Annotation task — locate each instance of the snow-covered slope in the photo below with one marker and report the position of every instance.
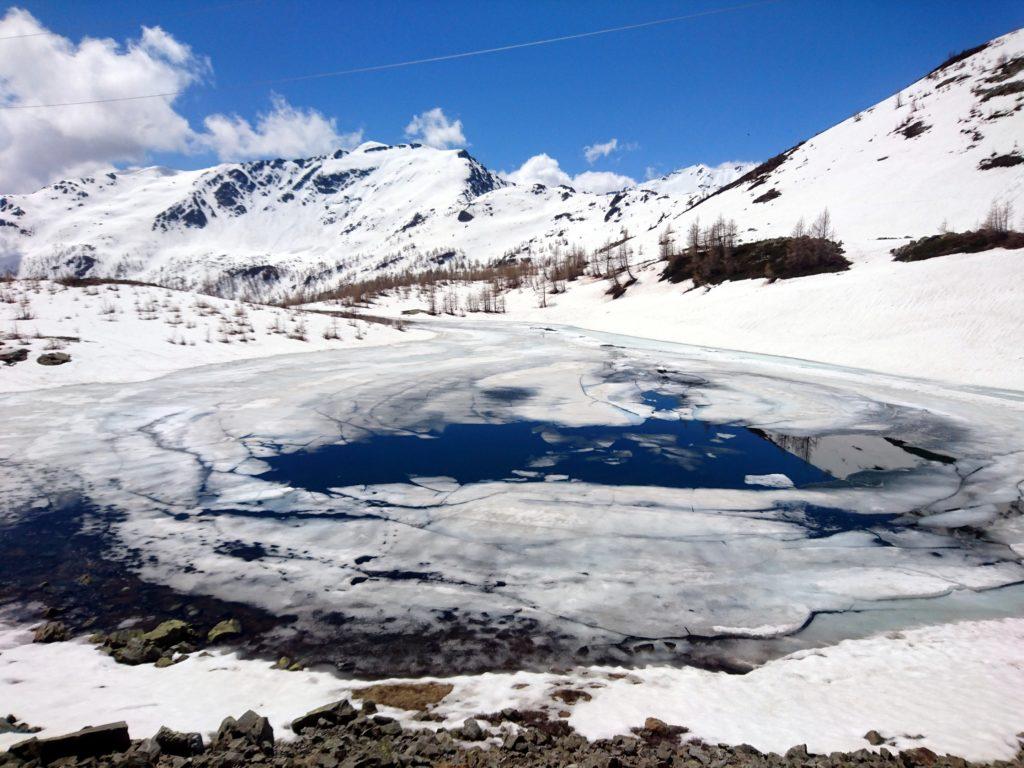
(122, 333)
(940, 151)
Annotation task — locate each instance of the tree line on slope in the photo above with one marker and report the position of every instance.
(996, 231)
(713, 255)
(710, 256)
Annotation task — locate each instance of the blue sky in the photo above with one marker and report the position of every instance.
(739, 85)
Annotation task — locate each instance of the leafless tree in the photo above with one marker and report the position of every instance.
(822, 227)
(666, 244)
(999, 217)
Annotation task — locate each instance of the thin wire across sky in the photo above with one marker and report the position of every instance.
(411, 62)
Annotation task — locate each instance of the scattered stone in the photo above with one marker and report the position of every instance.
(169, 633)
(53, 358)
(874, 738)
(411, 696)
(11, 724)
(471, 731)
(570, 695)
(136, 651)
(337, 736)
(224, 630)
(919, 756)
(797, 753)
(163, 661)
(338, 713)
(88, 742)
(656, 730)
(50, 632)
(178, 743)
(12, 356)
(147, 750)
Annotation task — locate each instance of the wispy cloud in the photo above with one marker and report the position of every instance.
(595, 152)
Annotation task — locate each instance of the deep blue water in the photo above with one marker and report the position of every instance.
(658, 452)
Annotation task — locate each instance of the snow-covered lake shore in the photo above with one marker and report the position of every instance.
(912, 586)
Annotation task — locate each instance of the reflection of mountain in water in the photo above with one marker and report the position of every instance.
(845, 455)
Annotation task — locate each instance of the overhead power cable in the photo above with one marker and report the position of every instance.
(412, 62)
(177, 14)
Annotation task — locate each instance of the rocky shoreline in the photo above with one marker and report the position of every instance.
(341, 736)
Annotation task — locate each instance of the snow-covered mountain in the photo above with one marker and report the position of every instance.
(695, 182)
(938, 152)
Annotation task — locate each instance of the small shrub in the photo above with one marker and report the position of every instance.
(956, 58)
(1000, 161)
(911, 128)
(957, 242)
(1006, 89)
(771, 194)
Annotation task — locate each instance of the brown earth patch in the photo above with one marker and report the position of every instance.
(411, 696)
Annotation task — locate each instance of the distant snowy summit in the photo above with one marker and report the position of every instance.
(696, 182)
(936, 154)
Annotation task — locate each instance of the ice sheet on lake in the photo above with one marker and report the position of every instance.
(179, 459)
(774, 480)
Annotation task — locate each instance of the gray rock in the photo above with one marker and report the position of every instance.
(338, 713)
(393, 728)
(471, 731)
(148, 749)
(799, 752)
(53, 358)
(169, 633)
(137, 651)
(12, 356)
(698, 754)
(88, 742)
(224, 630)
(178, 743)
(250, 728)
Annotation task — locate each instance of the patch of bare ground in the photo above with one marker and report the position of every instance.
(412, 696)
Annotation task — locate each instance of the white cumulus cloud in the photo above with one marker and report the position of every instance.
(602, 181)
(434, 129)
(284, 131)
(544, 169)
(38, 146)
(595, 152)
(540, 169)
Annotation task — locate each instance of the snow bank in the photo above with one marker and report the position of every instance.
(955, 318)
(956, 688)
(122, 333)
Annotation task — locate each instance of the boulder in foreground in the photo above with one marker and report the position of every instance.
(88, 742)
(338, 713)
(53, 358)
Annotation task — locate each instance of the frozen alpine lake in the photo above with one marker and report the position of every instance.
(507, 497)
